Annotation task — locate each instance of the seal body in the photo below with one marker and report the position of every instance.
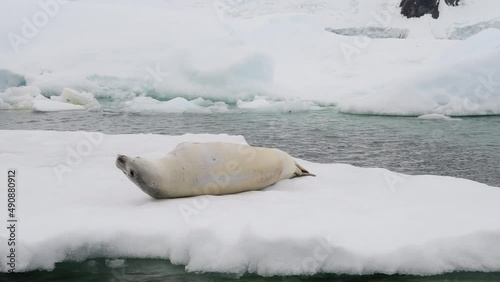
(215, 168)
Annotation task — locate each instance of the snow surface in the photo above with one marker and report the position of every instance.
(226, 51)
(75, 204)
(466, 83)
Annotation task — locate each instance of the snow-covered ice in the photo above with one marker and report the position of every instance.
(466, 82)
(20, 98)
(75, 204)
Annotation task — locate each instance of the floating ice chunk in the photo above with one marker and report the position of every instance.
(263, 104)
(257, 103)
(13, 92)
(115, 263)
(54, 106)
(176, 105)
(202, 102)
(437, 116)
(71, 96)
(30, 97)
(219, 107)
(19, 98)
(4, 106)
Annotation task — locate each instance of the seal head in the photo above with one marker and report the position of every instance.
(142, 173)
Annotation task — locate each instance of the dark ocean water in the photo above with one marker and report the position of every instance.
(134, 270)
(467, 148)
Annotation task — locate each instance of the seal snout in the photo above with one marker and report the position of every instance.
(120, 162)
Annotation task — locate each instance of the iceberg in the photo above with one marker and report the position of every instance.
(30, 98)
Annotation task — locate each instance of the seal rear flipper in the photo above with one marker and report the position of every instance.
(300, 171)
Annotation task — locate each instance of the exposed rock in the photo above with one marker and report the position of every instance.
(418, 8)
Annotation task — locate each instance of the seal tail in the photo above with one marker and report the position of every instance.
(301, 171)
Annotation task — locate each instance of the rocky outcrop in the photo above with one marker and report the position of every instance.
(418, 8)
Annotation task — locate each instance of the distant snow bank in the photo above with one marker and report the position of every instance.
(227, 51)
(466, 81)
(75, 204)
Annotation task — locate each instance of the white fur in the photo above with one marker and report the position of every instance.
(193, 169)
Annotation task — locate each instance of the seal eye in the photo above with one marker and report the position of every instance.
(132, 173)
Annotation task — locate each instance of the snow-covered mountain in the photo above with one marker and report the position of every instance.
(362, 56)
